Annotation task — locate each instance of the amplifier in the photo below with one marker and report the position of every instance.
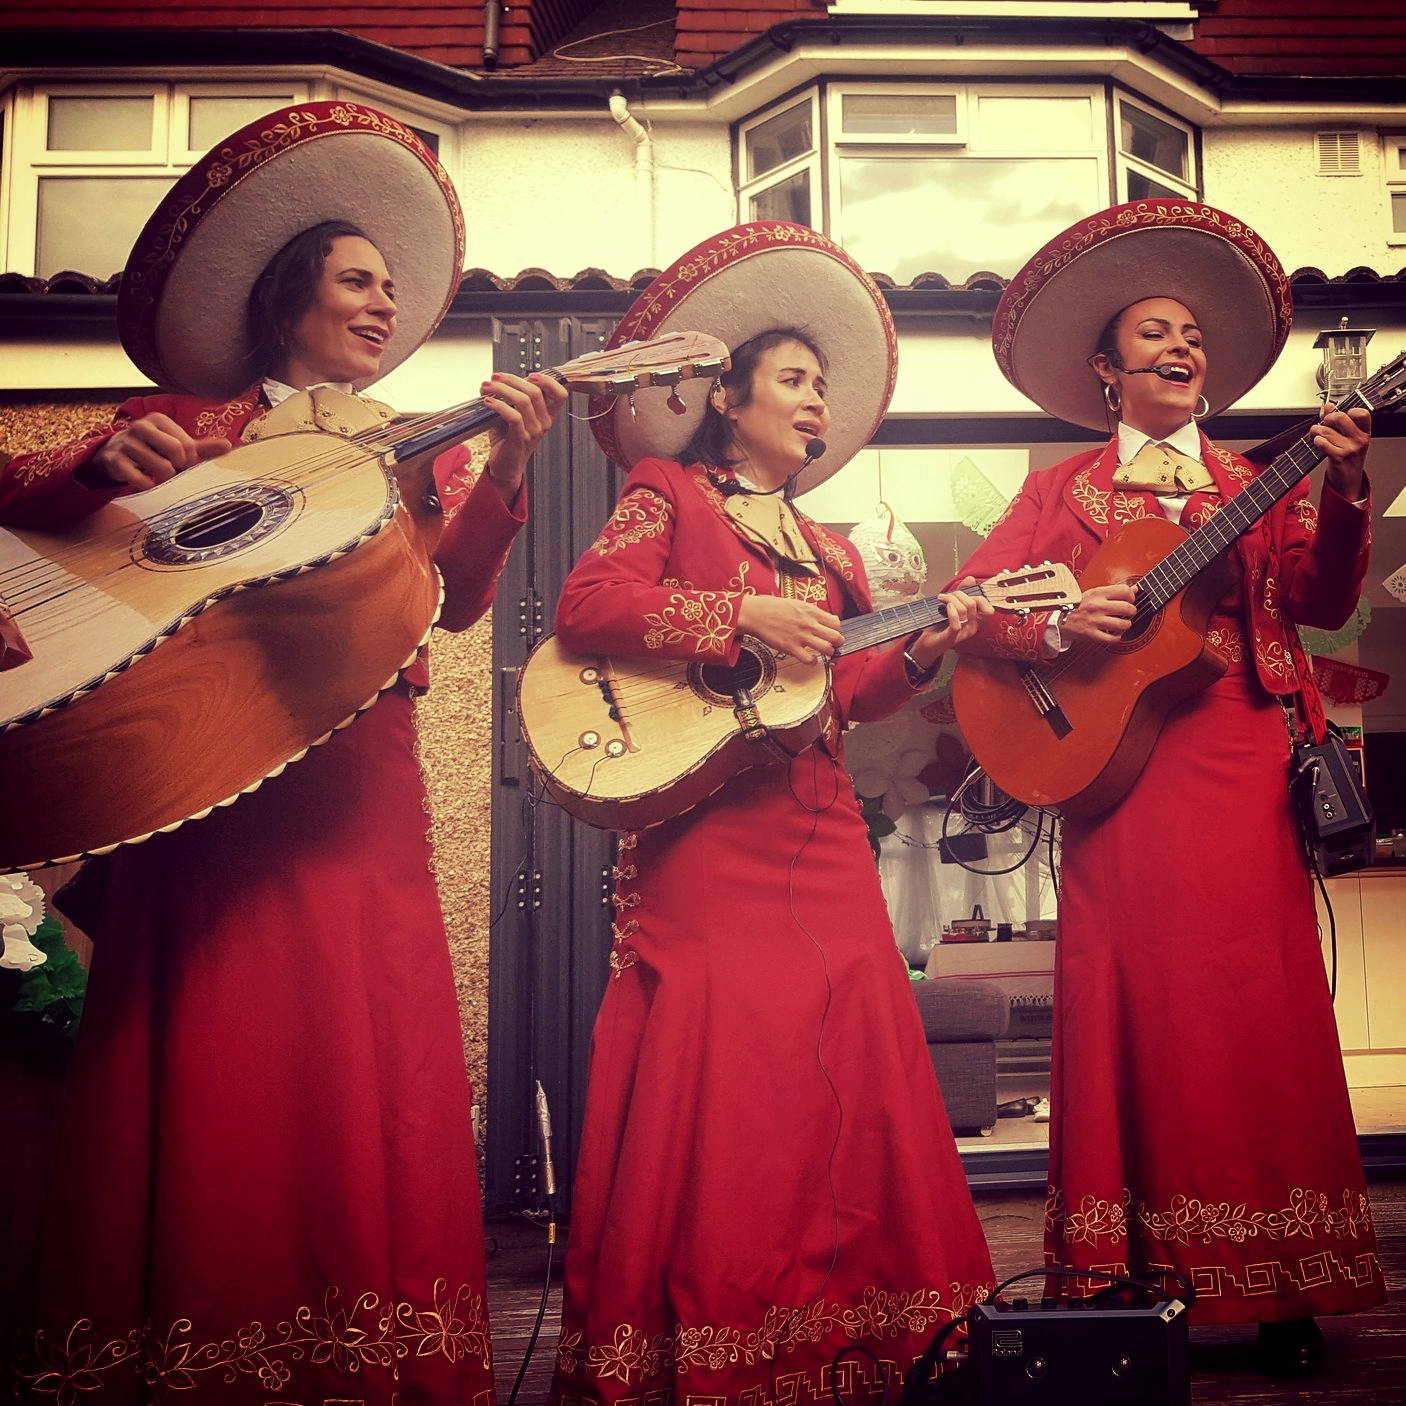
(1057, 1355)
(1336, 819)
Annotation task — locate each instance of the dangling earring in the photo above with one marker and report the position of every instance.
(1204, 411)
(1112, 397)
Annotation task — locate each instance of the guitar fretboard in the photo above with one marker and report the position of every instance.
(865, 631)
(1238, 514)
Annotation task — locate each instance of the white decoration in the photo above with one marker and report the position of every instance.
(1396, 584)
(21, 912)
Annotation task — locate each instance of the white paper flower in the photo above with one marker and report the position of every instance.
(21, 912)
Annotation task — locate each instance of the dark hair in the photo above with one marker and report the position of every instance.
(1107, 344)
(712, 440)
(284, 291)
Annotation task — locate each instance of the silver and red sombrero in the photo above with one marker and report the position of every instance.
(181, 308)
(745, 281)
(1050, 316)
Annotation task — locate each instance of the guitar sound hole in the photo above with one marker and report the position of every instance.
(215, 526)
(747, 673)
(718, 683)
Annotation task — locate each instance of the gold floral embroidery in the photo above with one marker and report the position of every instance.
(28, 468)
(739, 581)
(1230, 467)
(570, 1356)
(1102, 507)
(1309, 1214)
(1203, 512)
(833, 549)
(217, 421)
(706, 617)
(1230, 642)
(1274, 661)
(369, 1334)
(632, 1356)
(1270, 599)
(1307, 514)
(637, 517)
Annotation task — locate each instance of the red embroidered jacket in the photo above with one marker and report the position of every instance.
(1066, 512)
(668, 571)
(41, 490)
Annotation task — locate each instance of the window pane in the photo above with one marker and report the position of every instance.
(1401, 158)
(71, 234)
(214, 119)
(1151, 140)
(774, 142)
(899, 114)
(786, 200)
(959, 215)
(1142, 187)
(100, 124)
(1044, 124)
(1398, 212)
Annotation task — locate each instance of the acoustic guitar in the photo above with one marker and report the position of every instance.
(627, 743)
(1072, 734)
(183, 644)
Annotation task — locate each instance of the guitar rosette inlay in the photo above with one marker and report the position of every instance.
(214, 525)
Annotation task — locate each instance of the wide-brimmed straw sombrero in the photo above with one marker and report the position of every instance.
(1050, 316)
(184, 292)
(745, 281)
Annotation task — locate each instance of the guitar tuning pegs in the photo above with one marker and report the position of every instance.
(631, 403)
(675, 403)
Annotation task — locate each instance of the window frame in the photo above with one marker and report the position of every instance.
(1394, 178)
(811, 162)
(1124, 162)
(27, 159)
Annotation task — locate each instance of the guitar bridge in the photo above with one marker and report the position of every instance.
(1046, 704)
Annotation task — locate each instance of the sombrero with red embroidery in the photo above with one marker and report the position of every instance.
(1050, 317)
(742, 282)
(184, 293)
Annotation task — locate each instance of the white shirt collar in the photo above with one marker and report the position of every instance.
(1186, 440)
(276, 392)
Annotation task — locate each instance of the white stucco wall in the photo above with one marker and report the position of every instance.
(564, 194)
(1268, 177)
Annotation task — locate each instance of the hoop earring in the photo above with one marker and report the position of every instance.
(1204, 411)
(1112, 397)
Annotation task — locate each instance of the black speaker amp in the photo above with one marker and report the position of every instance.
(1335, 817)
(1057, 1355)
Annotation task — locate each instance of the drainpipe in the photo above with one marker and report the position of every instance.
(644, 165)
(492, 11)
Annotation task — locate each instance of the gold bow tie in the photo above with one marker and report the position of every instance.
(1160, 469)
(767, 519)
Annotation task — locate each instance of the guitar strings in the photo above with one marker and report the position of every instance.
(317, 469)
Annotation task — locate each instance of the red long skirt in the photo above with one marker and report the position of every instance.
(265, 1189)
(767, 1175)
(1200, 1113)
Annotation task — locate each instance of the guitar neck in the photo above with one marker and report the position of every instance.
(1237, 515)
(430, 433)
(866, 631)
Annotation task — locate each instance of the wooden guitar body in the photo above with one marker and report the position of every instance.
(673, 738)
(162, 689)
(1112, 699)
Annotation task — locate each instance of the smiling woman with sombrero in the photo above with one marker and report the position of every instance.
(1200, 1116)
(266, 1186)
(767, 1175)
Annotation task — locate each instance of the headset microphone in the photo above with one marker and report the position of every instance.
(814, 449)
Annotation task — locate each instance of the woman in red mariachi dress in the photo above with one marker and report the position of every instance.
(266, 1186)
(1200, 1118)
(766, 1174)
